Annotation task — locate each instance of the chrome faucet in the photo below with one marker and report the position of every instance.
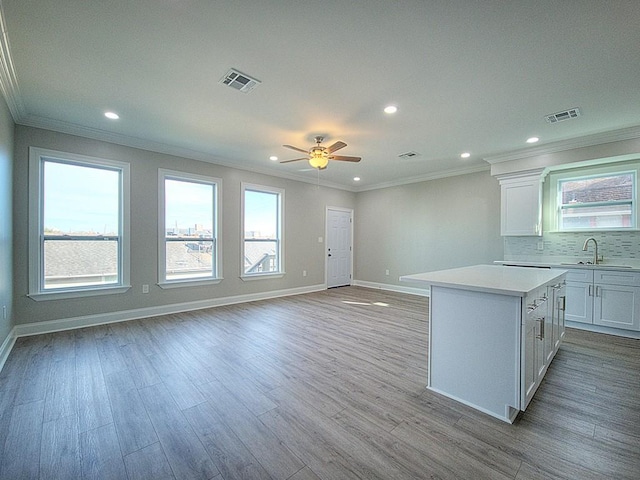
(595, 255)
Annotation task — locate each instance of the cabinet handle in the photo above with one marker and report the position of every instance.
(540, 336)
(562, 303)
(598, 291)
(591, 290)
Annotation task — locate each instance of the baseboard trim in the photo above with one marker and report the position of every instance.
(51, 326)
(423, 292)
(619, 332)
(6, 347)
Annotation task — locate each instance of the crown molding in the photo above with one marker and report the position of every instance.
(628, 133)
(163, 148)
(8, 79)
(425, 178)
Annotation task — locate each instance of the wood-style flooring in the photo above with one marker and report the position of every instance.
(329, 385)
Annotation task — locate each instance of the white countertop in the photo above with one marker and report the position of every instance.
(572, 262)
(517, 281)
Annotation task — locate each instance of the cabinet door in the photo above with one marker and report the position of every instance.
(549, 332)
(529, 363)
(561, 303)
(617, 306)
(579, 302)
(541, 356)
(521, 208)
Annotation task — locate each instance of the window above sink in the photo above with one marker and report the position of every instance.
(599, 202)
(594, 199)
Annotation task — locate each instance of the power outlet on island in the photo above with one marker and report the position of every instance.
(304, 273)
(386, 272)
(145, 288)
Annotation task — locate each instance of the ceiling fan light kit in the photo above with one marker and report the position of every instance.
(318, 156)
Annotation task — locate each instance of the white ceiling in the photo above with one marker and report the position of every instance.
(475, 76)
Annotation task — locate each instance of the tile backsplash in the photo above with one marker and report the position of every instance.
(610, 245)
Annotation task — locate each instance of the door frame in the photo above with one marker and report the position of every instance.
(350, 211)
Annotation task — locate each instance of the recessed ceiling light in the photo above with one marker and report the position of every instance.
(273, 158)
(532, 140)
(356, 179)
(465, 155)
(390, 109)
(111, 115)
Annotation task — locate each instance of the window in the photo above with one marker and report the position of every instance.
(78, 224)
(188, 229)
(262, 210)
(597, 202)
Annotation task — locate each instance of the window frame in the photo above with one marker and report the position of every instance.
(279, 231)
(558, 177)
(37, 158)
(216, 276)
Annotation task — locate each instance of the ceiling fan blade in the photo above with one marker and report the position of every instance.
(296, 148)
(344, 158)
(336, 146)
(294, 160)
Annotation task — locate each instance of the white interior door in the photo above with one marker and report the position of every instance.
(339, 233)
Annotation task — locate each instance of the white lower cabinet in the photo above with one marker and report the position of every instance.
(531, 360)
(543, 332)
(579, 296)
(617, 306)
(608, 298)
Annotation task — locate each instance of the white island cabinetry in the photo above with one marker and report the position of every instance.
(492, 332)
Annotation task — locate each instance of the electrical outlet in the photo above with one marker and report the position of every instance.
(304, 273)
(320, 239)
(386, 272)
(145, 288)
(540, 245)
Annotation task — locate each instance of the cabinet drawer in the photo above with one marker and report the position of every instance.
(580, 275)
(615, 277)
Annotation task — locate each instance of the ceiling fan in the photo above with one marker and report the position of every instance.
(319, 157)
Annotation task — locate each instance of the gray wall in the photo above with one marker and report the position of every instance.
(6, 216)
(407, 229)
(304, 222)
(427, 226)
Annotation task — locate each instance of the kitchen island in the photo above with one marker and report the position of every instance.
(493, 330)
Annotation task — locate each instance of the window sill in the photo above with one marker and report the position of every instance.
(261, 276)
(64, 294)
(189, 283)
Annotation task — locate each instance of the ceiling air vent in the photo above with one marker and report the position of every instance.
(564, 115)
(409, 155)
(239, 81)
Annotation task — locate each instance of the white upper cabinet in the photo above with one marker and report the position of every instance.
(521, 204)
